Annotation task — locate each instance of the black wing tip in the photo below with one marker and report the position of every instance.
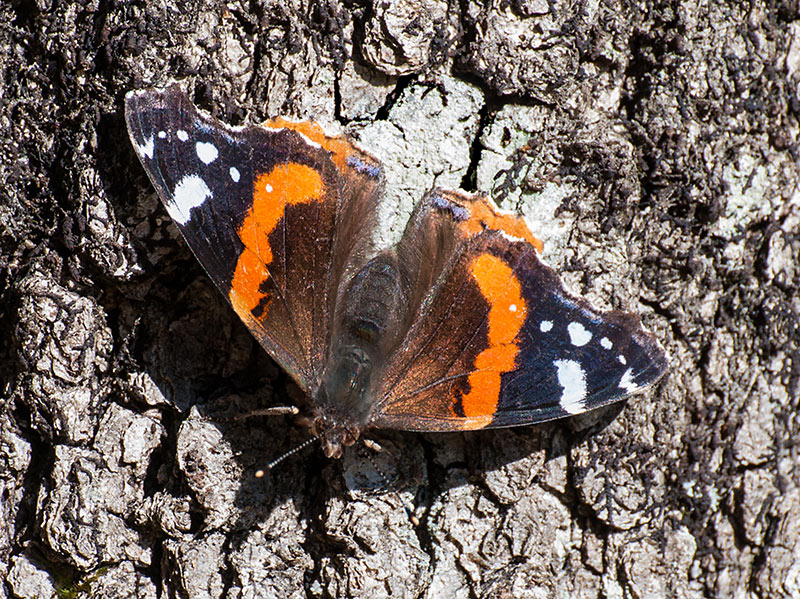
(654, 362)
(652, 348)
(153, 99)
(148, 94)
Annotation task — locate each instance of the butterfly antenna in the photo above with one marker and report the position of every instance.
(291, 452)
(406, 506)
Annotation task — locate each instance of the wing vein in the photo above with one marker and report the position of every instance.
(464, 347)
(281, 295)
(410, 362)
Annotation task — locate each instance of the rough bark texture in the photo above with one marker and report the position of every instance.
(653, 146)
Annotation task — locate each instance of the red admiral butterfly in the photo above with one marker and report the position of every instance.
(459, 326)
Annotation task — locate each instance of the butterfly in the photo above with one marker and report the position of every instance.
(458, 326)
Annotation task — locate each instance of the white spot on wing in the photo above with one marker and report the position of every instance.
(626, 382)
(511, 237)
(182, 135)
(268, 188)
(578, 334)
(622, 359)
(309, 141)
(206, 152)
(606, 342)
(512, 308)
(235, 175)
(305, 137)
(572, 379)
(189, 193)
(545, 326)
(162, 134)
(146, 149)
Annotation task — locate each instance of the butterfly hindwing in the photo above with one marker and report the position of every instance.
(498, 341)
(275, 214)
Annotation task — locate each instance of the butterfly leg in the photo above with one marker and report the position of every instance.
(369, 443)
(272, 411)
(373, 445)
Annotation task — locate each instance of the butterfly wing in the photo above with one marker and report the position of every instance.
(275, 214)
(498, 341)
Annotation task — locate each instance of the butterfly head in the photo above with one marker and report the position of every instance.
(334, 435)
(341, 405)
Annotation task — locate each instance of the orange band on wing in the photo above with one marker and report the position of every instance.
(272, 192)
(482, 217)
(338, 146)
(507, 312)
(249, 274)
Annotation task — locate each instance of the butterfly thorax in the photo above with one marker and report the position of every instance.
(369, 308)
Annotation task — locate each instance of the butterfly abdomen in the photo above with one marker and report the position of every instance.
(372, 305)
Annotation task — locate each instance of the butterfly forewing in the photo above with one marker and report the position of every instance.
(274, 214)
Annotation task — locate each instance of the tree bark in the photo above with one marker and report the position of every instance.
(653, 147)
